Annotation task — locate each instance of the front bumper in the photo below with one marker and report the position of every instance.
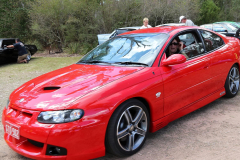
(36, 139)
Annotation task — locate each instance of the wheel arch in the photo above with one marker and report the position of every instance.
(140, 99)
(144, 101)
(237, 65)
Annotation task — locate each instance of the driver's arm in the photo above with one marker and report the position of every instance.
(180, 46)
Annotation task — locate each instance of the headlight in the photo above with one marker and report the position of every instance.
(60, 116)
(8, 101)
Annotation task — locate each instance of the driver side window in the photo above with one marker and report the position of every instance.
(192, 45)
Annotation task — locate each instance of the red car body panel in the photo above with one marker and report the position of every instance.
(99, 90)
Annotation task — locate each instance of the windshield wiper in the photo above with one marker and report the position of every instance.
(131, 63)
(94, 61)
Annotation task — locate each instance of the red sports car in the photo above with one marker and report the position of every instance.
(120, 91)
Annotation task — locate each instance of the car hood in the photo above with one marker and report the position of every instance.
(56, 90)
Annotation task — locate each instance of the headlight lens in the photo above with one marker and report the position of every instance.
(60, 116)
(8, 101)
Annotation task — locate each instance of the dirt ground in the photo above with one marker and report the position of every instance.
(210, 133)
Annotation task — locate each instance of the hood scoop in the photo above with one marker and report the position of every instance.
(50, 88)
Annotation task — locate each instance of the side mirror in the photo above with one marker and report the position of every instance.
(174, 59)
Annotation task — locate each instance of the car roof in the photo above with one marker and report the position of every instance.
(162, 29)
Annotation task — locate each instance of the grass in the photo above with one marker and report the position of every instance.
(14, 75)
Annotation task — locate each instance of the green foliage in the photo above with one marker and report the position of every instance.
(209, 12)
(14, 19)
(74, 48)
(74, 24)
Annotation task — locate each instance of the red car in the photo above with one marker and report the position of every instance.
(120, 91)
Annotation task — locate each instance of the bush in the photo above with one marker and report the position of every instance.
(74, 48)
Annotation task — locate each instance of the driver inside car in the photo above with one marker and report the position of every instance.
(175, 47)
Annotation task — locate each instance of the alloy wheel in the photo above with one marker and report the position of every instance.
(132, 128)
(234, 80)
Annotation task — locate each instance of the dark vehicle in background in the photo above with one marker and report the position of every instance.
(223, 28)
(104, 37)
(11, 54)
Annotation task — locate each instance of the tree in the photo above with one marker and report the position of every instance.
(209, 12)
(14, 19)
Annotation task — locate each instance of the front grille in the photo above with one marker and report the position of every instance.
(14, 112)
(35, 143)
(25, 114)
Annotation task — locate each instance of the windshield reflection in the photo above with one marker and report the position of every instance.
(137, 48)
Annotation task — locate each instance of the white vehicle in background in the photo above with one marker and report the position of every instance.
(104, 37)
(171, 24)
(225, 29)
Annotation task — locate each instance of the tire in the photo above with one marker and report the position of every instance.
(232, 82)
(128, 128)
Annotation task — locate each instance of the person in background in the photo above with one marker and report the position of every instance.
(145, 24)
(188, 22)
(22, 52)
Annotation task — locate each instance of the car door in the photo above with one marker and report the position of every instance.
(186, 83)
(217, 50)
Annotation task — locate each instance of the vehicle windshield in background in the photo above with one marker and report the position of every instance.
(230, 27)
(120, 31)
(132, 49)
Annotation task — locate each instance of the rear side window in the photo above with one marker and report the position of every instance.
(211, 40)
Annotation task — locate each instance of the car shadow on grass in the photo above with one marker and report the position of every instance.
(5, 63)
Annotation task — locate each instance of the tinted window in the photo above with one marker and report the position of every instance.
(120, 31)
(8, 42)
(141, 48)
(211, 40)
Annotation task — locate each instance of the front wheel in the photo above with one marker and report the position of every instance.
(127, 128)
(232, 82)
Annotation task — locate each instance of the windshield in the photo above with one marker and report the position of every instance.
(234, 25)
(120, 31)
(139, 49)
(229, 27)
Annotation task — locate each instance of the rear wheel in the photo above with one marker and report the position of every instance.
(232, 82)
(127, 128)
